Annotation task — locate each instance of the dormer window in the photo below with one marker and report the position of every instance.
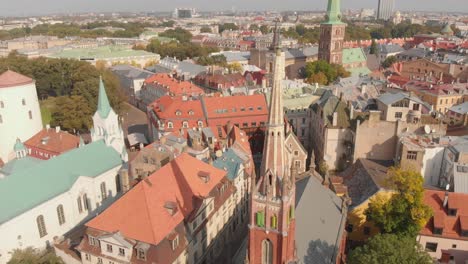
(171, 207)
(141, 254)
(170, 125)
(191, 112)
(178, 113)
(200, 123)
(93, 241)
(175, 243)
(452, 212)
(204, 176)
(185, 124)
(438, 231)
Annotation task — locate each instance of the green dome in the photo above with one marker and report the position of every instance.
(447, 30)
(19, 145)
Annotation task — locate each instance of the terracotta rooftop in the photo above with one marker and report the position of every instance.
(452, 225)
(12, 79)
(52, 141)
(141, 214)
(174, 87)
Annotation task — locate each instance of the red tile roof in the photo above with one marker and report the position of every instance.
(12, 79)
(235, 106)
(174, 87)
(141, 213)
(52, 141)
(441, 219)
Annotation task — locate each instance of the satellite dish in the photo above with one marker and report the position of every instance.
(427, 129)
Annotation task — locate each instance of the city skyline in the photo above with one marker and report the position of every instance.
(67, 6)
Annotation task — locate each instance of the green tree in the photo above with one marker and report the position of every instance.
(389, 249)
(405, 212)
(254, 27)
(33, 256)
(389, 61)
(169, 23)
(264, 29)
(373, 47)
(227, 26)
(206, 29)
(235, 67)
(178, 49)
(323, 168)
(182, 35)
(331, 71)
(319, 78)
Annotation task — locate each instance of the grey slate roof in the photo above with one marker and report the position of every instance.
(364, 179)
(127, 74)
(301, 53)
(319, 222)
(331, 104)
(461, 108)
(386, 49)
(415, 52)
(390, 98)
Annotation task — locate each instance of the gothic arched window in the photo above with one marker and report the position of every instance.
(41, 226)
(267, 252)
(60, 215)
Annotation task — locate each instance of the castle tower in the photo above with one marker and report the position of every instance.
(106, 122)
(20, 114)
(332, 33)
(272, 224)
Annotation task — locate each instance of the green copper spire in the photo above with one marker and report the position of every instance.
(103, 107)
(333, 12)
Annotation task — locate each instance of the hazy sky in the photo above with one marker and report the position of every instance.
(26, 7)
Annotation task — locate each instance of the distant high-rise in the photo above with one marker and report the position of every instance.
(184, 13)
(385, 9)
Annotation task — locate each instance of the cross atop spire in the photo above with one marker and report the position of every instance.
(276, 36)
(333, 12)
(103, 107)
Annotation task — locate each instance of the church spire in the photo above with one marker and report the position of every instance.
(333, 12)
(103, 107)
(273, 153)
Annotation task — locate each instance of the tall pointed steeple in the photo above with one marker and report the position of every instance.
(274, 153)
(333, 12)
(103, 107)
(272, 223)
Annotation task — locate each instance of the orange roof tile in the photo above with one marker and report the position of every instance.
(141, 214)
(174, 87)
(232, 106)
(441, 219)
(12, 79)
(52, 141)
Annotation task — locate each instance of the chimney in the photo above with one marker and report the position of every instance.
(335, 119)
(125, 180)
(57, 129)
(47, 127)
(351, 111)
(446, 199)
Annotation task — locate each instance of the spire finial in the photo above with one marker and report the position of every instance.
(103, 107)
(276, 35)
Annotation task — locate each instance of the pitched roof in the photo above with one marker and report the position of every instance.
(230, 163)
(18, 165)
(53, 177)
(461, 108)
(452, 225)
(174, 87)
(141, 213)
(353, 55)
(319, 222)
(12, 79)
(330, 104)
(230, 106)
(103, 107)
(51, 140)
(364, 179)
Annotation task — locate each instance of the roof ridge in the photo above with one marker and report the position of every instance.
(147, 211)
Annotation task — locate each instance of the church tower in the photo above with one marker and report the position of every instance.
(332, 33)
(106, 123)
(272, 223)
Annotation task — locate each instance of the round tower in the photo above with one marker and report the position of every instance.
(20, 114)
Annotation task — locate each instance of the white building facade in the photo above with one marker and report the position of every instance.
(20, 115)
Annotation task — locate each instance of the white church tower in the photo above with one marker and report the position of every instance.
(106, 124)
(20, 114)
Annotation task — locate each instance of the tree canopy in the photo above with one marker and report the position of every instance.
(74, 83)
(205, 29)
(219, 60)
(227, 26)
(180, 50)
(182, 35)
(389, 61)
(389, 249)
(405, 212)
(33, 256)
(322, 72)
